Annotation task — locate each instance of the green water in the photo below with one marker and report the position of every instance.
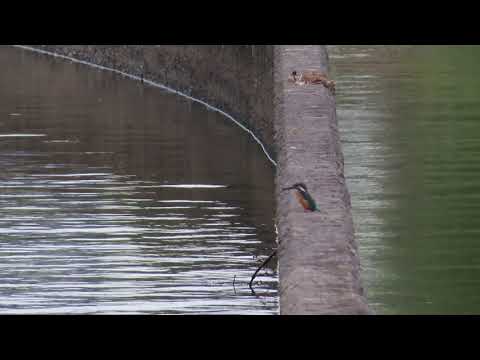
(410, 124)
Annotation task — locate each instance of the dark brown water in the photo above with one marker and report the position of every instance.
(410, 124)
(120, 198)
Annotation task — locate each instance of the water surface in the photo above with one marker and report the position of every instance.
(409, 120)
(117, 197)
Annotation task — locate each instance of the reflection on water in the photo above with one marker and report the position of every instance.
(120, 198)
(408, 117)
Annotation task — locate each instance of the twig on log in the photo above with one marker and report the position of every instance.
(261, 266)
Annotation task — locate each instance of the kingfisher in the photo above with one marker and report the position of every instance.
(303, 197)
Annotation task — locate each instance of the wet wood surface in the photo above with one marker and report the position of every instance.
(319, 267)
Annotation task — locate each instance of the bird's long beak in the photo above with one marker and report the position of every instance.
(288, 188)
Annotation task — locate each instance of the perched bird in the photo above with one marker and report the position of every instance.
(294, 77)
(316, 77)
(303, 197)
(312, 77)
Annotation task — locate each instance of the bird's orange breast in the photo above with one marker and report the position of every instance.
(302, 200)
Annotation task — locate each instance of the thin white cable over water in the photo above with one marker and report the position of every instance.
(153, 83)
